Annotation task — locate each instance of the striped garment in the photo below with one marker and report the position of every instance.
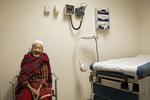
(41, 76)
(30, 66)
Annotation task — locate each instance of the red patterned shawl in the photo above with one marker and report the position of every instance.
(29, 66)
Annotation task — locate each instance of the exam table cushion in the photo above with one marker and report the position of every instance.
(137, 66)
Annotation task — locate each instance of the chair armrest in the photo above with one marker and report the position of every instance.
(13, 85)
(56, 78)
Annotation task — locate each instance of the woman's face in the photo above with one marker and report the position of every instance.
(37, 49)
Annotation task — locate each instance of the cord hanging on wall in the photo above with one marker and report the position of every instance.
(83, 67)
(102, 18)
(73, 25)
(69, 10)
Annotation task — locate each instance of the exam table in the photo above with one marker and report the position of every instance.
(121, 79)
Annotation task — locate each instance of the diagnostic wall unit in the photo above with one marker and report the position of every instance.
(102, 18)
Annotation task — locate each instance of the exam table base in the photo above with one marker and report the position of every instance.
(112, 88)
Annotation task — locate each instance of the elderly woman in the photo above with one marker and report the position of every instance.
(35, 80)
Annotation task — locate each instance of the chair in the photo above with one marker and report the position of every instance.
(13, 85)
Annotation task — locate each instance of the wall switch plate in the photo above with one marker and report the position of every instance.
(57, 8)
(47, 9)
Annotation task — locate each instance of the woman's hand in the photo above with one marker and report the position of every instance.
(38, 90)
(34, 93)
(32, 90)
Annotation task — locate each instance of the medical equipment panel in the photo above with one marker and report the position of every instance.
(80, 12)
(102, 18)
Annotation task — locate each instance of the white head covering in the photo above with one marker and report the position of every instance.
(36, 41)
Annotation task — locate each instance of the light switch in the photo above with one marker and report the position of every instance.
(47, 9)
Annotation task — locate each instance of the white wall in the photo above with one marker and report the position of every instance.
(144, 18)
(22, 21)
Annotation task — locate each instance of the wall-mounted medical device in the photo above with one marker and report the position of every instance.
(70, 9)
(83, 67)
(79, 11)
(47, 9)
(102, 18)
